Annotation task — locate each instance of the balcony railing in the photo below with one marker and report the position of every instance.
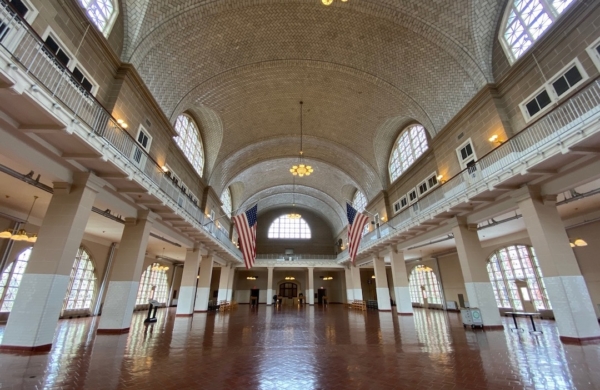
(27, 50)
(552, 129)
(284, 257)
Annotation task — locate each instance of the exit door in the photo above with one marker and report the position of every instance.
(322, 292)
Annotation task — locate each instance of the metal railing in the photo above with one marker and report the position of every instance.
(553, 128)
(29, 52)
(284, 257)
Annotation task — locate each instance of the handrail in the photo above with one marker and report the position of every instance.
(282, 256)
(553, 127)
(27, 50)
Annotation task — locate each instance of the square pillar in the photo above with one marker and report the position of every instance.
(400, 281)
(356, 283)
(125, 276)
(381, 285)
(189, 280)
(269, 286)
(311, 286)
(223, 283)
(230, 283)
(349, 289)
(34, 316)
(566, 288)
(204, 279)
(474, 269)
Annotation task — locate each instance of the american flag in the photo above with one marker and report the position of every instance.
(356, 224)
(245, 224)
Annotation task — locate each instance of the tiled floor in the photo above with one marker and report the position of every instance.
(309, 348)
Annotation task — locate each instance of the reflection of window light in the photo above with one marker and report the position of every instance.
(525, 294)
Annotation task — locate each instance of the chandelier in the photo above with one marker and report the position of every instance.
(301, 169)
(22, 234)
(159, 268)
(294, 215)
(422, 268)
(329, 2)
(290, 278)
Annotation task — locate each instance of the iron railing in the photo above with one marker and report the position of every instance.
(29, 52)
(284, 257)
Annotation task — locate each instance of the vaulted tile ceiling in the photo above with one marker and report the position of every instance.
(364, 69)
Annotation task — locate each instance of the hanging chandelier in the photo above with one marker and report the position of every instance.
(301, 169)
(159, 268)
(294, 215)
(22, 234)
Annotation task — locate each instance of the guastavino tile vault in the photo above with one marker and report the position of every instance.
(299, 194)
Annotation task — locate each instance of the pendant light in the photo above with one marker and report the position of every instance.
(22, 234)
(301, 169)
(294, 215)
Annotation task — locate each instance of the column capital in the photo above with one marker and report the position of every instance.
(270, 268)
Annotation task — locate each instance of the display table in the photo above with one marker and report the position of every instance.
(516, 314)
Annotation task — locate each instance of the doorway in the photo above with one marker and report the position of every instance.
(321, 295)
(254, 296)
(525, 294)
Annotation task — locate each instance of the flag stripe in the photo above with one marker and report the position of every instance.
(356, 223)
(245, 224)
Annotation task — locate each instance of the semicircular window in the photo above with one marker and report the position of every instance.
(290, 228)
(103, 13)
(410, 145)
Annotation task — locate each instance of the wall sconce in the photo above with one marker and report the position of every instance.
(494, 138)
(383, 219)
(290, 278)
(165, 169)
(327, 277)
(440, 178)
(122, 123)
(251, 277)
(372, 276)
(578, 242)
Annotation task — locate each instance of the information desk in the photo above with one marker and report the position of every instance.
(516, 314)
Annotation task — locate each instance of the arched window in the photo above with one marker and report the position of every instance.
(82, 284)
(153, 285)
(525, 21)
(11, 279)
(515, 274)
(359, 202)
(285, 227)
(422, 284)
(410, 145)
(103, 13)
(226, 200)
(189, 141)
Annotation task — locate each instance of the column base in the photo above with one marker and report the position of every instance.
(18, 348)
(112, 331)
(493, 327)
(580, 340)
(406, 314)
(184, 315)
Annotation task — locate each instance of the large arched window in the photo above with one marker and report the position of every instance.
(285, 227)
(82, 284)
(515, 274)
(423, 284)
(103, 13)
(410, 145)
(226, 201)
(359, 202)
(153, 285)
(525, 21)
(189, 141)
(11, 279)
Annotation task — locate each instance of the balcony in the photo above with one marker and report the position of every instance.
(573, 128)
(86, 134)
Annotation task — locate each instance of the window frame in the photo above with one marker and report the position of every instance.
(110, 22)
(140, 301)
(14, 38)
(396, 146)
(464, 163)
(142, 161)
(66, 299)
(593, 52)
(228, 211)
(191, 121)
(280, 235)
(10, 274)
(429, 287)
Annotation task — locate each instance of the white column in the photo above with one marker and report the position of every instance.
(230, 282)
(566, 288)
(349, 289)
(125, 276)
(381, 285)
(39, 300)
(356, 283)
(400, 280)
(223, 283)
(473, 264)
(311, 286)
(270, 286)
(189, 280)
(204, 279)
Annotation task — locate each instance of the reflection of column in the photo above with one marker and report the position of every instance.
(400, 280)
(223, 283)
(349, 289)
(474, 269)
(311, 286)
(125, 277)
(34, 316)
(270, 286)
(107, 356)
(189, 279)
(230, 283)
(204, 279)
(381, 285)
(356, 283)
(565, 285)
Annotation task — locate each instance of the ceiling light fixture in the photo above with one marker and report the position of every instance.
(578, 242)
(294, 215)
(329, 2)
(301, 169)
(159, 268)
(251, 277)
(22, 234)
(290, 278)
(423, 268)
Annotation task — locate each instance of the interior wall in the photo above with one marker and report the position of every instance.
(588, 259)
(451, 277)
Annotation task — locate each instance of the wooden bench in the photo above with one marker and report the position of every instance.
(357, 305)
(224, 305)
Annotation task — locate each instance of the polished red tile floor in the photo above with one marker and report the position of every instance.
(308, 348)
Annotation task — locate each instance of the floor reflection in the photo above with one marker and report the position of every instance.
(303, 348)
